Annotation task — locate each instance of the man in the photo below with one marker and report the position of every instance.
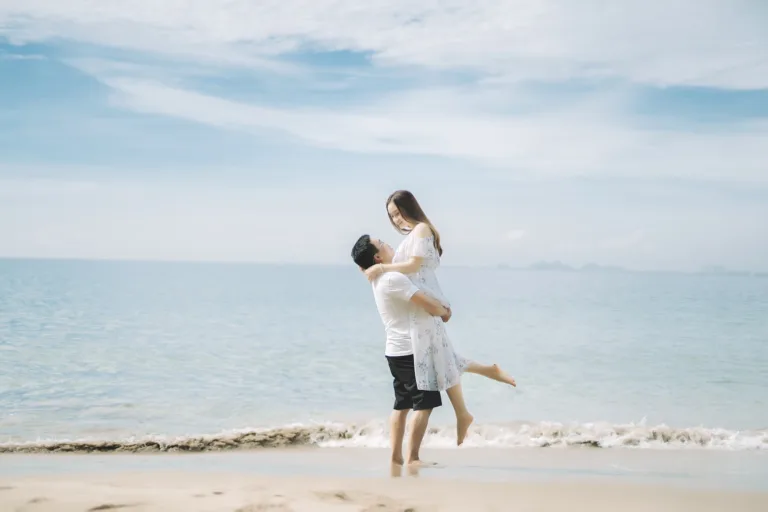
(395, 297)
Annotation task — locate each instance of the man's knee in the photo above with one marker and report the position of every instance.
(425, 409)
(421, 415)
(399, 416)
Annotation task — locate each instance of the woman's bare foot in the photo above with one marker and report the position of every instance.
(497, 374)
(462, 427)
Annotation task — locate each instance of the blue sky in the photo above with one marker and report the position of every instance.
(273, 131)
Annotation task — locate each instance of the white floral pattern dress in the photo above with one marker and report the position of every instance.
(438, 367)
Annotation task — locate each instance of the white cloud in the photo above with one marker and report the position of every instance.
(581, 140)
(20, 56)
(180, 68)
(693, 42)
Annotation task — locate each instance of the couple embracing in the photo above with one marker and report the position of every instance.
(414, 312)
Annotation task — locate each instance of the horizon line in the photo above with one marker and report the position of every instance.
(563, 267)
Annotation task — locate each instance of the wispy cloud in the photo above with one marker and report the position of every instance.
(492, 119)
(502, 43)
(20, 56)
(517, 40)
(584, 139)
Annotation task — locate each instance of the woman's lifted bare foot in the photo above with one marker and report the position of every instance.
(497, 374)
(462, 427)
(491, 371)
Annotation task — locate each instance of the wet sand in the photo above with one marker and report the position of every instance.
(360, 479)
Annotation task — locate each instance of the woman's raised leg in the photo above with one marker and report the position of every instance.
(491, 371)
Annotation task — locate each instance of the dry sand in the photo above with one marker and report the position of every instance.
(160, 491)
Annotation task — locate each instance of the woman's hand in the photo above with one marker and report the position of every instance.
(375, 271)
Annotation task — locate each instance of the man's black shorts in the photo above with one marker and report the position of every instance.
(407, 395)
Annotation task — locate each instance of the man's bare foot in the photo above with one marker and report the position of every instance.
(421, 463)
(501, 376)
(397, 461)
(462, 427)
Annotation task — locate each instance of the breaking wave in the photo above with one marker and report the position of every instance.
(375, 435)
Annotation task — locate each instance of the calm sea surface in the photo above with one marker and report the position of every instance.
(113, 350)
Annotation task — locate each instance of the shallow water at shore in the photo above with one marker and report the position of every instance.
(691, 469)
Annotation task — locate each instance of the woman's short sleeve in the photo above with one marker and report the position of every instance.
(421, 247)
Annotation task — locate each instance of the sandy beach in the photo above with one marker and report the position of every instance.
(361, 480)
(238, 493)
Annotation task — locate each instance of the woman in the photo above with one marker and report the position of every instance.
(438, 367)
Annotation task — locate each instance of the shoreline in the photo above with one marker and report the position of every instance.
(373, 434)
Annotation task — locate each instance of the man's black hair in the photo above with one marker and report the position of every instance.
(364, 251)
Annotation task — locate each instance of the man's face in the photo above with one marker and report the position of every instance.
(385, 253)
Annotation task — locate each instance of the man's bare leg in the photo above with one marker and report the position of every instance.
(491, 371)
(419, 423)
(463, 418)
(396, 434)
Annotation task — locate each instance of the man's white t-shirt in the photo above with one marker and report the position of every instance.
(392, 292)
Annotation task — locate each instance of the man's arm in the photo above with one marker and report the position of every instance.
(402, 287)
(430, 305)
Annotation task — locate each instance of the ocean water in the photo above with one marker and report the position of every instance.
(187, 356)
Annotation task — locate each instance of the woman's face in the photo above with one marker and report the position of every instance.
(398, 219)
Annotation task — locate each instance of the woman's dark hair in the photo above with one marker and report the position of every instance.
(411, 211)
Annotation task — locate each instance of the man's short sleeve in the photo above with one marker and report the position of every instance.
(400, 286)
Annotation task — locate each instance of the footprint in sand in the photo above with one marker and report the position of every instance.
(370, 502)
(112, 506)
(278, 503)
(261, 507)
(30, 505)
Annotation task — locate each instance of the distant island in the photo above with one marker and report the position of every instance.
(722, 271)
(559, 266)
(562, 267)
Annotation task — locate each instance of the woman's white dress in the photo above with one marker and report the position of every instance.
(437, 365)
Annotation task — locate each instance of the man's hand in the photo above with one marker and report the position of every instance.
(447, 316)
